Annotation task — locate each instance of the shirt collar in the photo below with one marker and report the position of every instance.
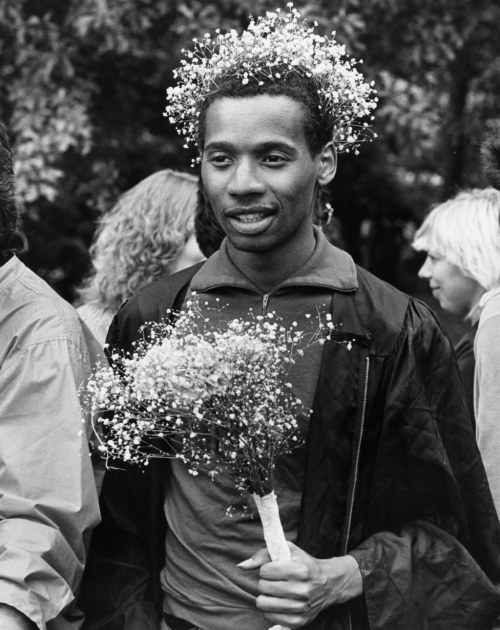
(486, 297)
(328, 266)
(8, 272)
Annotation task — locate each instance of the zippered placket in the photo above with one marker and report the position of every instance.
(265, 302)
(356, 466)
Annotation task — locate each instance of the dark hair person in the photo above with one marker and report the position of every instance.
(387, 517)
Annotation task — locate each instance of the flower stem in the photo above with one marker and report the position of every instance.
(274, 535)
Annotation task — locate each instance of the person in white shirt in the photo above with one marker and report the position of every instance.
(487, 350)
(48, 497)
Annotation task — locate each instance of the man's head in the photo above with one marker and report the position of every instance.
(259, 172)
(265, 108)
(9, 217)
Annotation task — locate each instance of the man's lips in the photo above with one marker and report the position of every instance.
(242, 212)
(250, 221)
(250, 217)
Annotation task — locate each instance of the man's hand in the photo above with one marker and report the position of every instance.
(12, 619)
(293, 593)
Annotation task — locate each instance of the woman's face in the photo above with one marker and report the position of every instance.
(456, 293)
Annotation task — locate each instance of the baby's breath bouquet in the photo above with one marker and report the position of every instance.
(213, 396)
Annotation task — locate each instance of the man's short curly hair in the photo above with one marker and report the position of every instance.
(140, 237)
(318, 124)
(209, 233)
(10, 232)
(490, 156)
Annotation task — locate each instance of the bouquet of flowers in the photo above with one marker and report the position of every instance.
(211, 396)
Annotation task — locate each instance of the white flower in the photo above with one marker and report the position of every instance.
(272, 47)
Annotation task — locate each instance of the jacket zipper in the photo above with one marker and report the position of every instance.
(356, 466)
(265, 301)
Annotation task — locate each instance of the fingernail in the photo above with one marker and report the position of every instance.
(246, 564)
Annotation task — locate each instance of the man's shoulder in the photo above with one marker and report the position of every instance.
(150, 304)
(387, 311)
(157, 297)
(34, 303)
(378, 287)
(377, 298)
(33, 316)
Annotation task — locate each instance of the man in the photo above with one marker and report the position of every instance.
(389, 517)
(48, 499)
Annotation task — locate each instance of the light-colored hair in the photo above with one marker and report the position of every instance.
(466, 231)
(140, 237)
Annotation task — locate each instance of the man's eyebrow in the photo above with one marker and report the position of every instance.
(262, 147)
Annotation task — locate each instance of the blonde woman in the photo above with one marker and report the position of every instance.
(148, 232)
(462, 241)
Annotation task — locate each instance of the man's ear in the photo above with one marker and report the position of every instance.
(327, 164)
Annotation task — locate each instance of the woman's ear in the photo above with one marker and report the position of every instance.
(327, 164)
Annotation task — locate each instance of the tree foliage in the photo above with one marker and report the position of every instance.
(83, 90)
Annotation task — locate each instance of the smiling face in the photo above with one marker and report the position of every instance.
(259, 173)
(456, 293)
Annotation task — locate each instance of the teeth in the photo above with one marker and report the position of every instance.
(250, 218)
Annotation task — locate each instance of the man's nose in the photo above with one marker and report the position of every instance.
(245, 180)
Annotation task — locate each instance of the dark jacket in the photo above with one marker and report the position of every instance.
(464, 351)
(393, 477)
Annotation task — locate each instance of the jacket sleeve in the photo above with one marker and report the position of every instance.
(438, 566)
(421, 577)
(48, 501)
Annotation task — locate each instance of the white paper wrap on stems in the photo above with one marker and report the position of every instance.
(273, 531)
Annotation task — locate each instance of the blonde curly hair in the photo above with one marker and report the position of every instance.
(140, 237)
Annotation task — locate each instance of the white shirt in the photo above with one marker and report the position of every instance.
(48, 498)
(487, 389)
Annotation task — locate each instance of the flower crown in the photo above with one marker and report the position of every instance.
(270, 49)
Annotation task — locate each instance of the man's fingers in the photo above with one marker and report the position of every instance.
(289, 570)
(257, 560)
(279, 605)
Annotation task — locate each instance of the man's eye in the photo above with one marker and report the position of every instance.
(218, 159)
(274, 158)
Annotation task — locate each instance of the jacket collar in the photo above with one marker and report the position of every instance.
(328, 266)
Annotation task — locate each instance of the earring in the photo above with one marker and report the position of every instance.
(327, 215)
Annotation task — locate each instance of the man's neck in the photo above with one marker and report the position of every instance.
(268, 269)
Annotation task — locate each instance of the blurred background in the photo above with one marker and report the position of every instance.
(82, 94)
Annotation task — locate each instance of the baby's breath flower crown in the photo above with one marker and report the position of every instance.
(269, 50)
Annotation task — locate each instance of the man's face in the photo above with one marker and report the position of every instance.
(258, 171)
